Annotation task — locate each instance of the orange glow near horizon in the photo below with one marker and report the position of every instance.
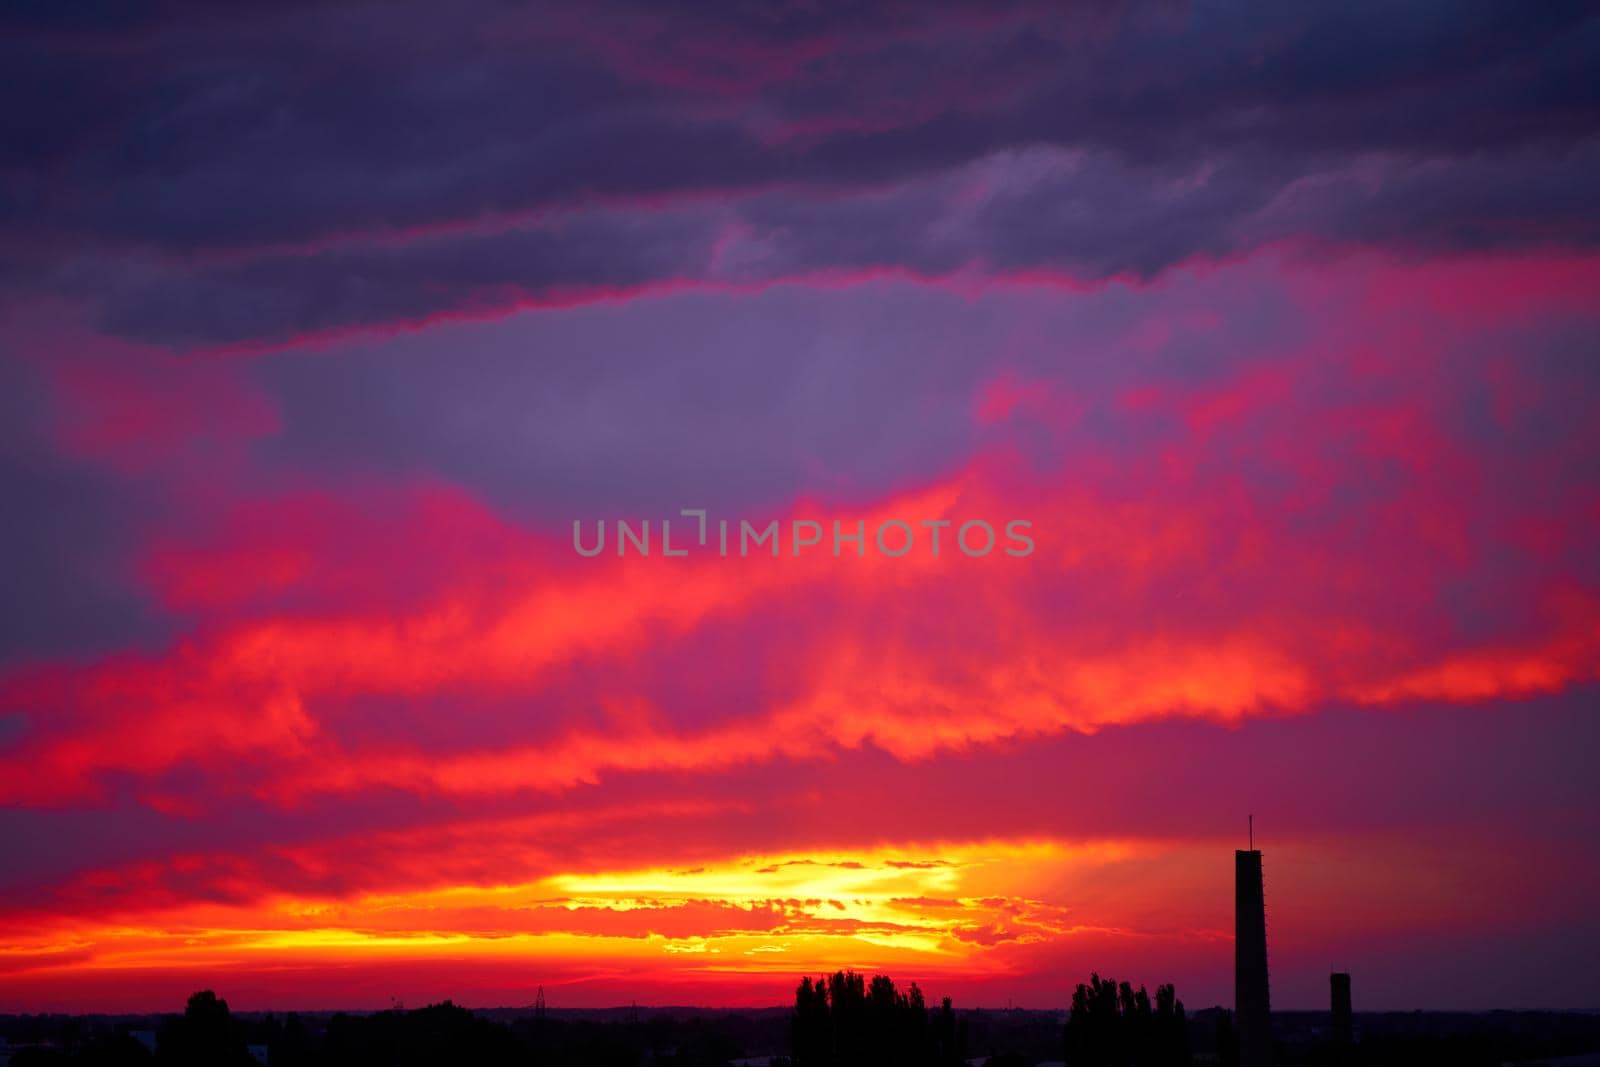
(916, 908)
(974, 916)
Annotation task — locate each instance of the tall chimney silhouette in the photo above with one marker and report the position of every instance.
(1250, 1003)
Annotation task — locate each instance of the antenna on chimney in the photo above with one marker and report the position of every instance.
(1252, 833)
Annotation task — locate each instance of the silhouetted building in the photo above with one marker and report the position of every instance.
(1343, 1021)
(1252, 1008)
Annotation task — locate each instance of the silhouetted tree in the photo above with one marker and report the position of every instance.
(949, 1044)
(847, 1000)
(1093, 1035)
(1115, 1026)
(1171, 1029)
(844, 1021)
(811, 1030)
(205, 1037)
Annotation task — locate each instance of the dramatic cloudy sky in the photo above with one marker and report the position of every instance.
(323, 323)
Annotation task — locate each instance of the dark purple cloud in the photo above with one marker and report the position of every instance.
(1028, 213)
(255, 157)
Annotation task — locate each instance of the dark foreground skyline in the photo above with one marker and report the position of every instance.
(703, 1037)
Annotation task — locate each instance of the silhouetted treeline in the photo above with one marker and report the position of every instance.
(440, 1035)
(1113, 1025)
(843, 1021)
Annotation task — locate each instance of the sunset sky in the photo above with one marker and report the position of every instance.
(320, 325)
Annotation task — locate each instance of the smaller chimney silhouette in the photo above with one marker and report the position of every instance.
(1343, 1020)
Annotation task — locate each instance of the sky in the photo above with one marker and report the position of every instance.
(322, 327)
